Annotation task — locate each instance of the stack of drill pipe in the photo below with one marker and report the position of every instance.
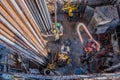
(40, 13)
(19, 28)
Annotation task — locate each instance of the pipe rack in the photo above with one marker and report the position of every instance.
(21, 25)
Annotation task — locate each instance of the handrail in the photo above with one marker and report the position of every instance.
(100, 76)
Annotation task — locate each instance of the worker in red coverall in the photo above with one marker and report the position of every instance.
(91, 46)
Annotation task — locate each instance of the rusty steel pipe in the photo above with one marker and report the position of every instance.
(42, 10)
(36, 15)
(33, 41)
(14, 16)
(33, 57)
(3, 38)
(16, 32)
(8, 36)
(5, 29)
(37, 19)
(25, 20)
(21, 25)
(22, 16)
(48, 14)
(13, 49)
(40, 14)
(17, 43)
(28, 26)
(31, 19)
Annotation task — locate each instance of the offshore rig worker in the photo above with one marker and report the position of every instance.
(59, 27)
(91, 46)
